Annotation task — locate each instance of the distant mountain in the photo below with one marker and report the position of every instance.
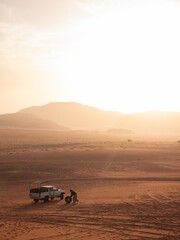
(151, 122)
(75, 115)
(23, 120)
(120, 131)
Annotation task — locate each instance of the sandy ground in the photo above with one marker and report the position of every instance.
(126, 190)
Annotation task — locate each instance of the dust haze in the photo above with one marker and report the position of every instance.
(127, 181)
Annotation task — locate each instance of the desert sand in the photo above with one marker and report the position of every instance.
(126, 189)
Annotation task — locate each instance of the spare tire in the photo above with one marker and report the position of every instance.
(68, 199)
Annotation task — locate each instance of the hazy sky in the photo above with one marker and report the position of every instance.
(113, 54)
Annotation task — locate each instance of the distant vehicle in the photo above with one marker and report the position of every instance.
(45, 193)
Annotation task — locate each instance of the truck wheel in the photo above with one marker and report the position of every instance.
(46, 199)
(68, 199)
(36, 200)
(62, 196)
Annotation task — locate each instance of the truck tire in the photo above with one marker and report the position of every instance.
(46, 199)
(68, 199)
(36, 200)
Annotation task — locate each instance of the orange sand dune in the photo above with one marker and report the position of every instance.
(126, 190)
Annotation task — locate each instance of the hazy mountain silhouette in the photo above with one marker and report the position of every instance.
(75, 115)
(78, 116)
(120, 131)
(23, 120)
(151, 122)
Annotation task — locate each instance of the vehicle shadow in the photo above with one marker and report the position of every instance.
(40, 205)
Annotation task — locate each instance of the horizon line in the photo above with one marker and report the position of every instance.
(98, 108)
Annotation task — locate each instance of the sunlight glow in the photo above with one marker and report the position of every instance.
(120, 55)
(128, 60)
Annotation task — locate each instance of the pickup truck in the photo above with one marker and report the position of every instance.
(45, 193)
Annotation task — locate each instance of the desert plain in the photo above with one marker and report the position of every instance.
(128, 186)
